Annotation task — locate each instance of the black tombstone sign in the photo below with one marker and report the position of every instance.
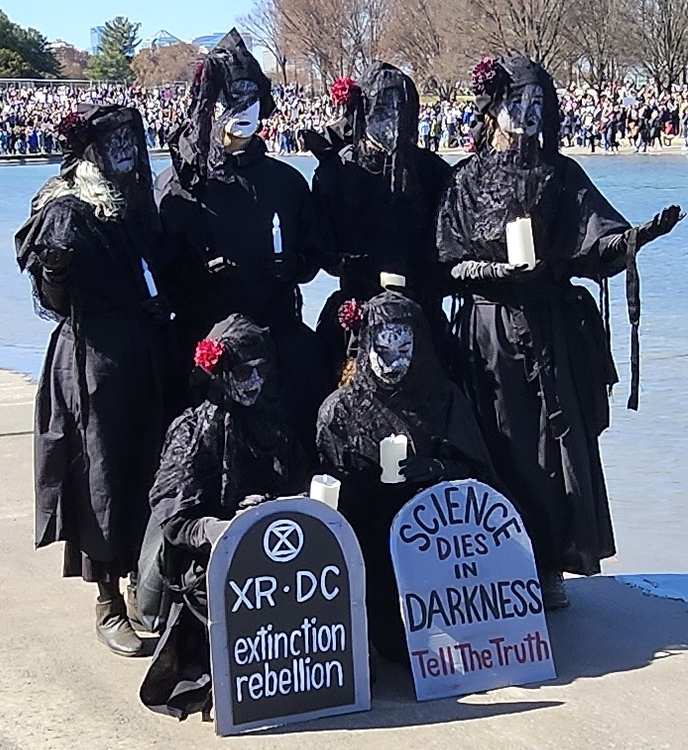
(287, 622)
(470, 594)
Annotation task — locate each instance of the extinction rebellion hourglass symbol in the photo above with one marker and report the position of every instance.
(283, 540)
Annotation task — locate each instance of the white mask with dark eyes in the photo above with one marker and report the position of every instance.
(119, 152)
(391, 352)
(245, 382)
(521, 112)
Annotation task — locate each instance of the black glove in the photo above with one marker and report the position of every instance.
(420, 469)
(251, 501)
(158, 308)
(661, 224)
(482, 270)
(56, 260)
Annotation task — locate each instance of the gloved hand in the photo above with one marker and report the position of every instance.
(158, 308)
(251, 501)
(220, 265)
(55, 259)
(213, 528)
(483, 270)
(421, 469)
(660, 225)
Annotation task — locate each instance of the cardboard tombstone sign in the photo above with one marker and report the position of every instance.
(470, 594)
(287, 623)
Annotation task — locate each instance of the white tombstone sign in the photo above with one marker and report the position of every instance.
(287, 623)
(469, 592)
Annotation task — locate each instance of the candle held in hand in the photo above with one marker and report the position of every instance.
(519, 243)
(392, 450)
(326, 489)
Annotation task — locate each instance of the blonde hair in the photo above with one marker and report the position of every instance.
(89, 185)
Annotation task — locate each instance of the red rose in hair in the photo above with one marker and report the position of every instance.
(74, 129)
(343, 90)
(350, 315)
(484, 74)
(208, 353)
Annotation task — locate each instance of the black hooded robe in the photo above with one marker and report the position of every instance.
(100, 406)
(378, 212)
(232, 217)
(215, 455)
(535, 358)
(439, 423)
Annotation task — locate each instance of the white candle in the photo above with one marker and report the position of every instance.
(276, 234)
(519, 243)
(392, 450)
(326, 489)
(391, 279)
(150, 281)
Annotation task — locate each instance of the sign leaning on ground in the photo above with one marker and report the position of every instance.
(470, 594)
(287, 623)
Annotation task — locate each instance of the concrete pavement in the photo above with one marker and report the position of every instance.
(621, 656)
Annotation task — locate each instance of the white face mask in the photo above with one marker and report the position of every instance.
(245, 391)
(244, 124)
(521, 112)
(391, 353)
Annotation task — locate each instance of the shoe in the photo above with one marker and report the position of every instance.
(553, 590)
(114, 629)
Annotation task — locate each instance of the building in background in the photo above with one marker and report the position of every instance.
(161, 39)
(96, 38)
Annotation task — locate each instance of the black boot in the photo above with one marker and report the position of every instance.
(114, 629)
(133, 607)
(554, 594)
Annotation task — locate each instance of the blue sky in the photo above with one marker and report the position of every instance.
(71, 20)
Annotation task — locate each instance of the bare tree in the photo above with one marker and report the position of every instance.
(535, 28)
(663, 35)
(156, 65)
(266, 24)
(601, 34)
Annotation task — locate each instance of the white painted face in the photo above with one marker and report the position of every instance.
(119, 152)
(244, 124)
(246, 380)
(391, 353)
(521, 112)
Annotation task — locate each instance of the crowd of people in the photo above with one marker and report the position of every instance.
(641, 117)
(170, 425)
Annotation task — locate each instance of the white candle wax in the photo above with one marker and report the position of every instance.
(519, 243)
(326, 489)
(392, 450)
(276, 234)
(391, 279)
(150, 281)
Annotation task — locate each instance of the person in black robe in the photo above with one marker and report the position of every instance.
(534, 350)
(238, 226)
(399, 388)
(89, 247)
(232, 451)
(376, 196)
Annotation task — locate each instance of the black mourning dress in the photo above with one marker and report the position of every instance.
(215, 455)
(438, 421)
(378, 212)
(229, 216)
(535, 357)
(99, 420)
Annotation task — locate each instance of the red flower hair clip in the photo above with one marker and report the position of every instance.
(343, 90)
(208, 353)
(350, 315)
(484, 75)
(74, 129)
